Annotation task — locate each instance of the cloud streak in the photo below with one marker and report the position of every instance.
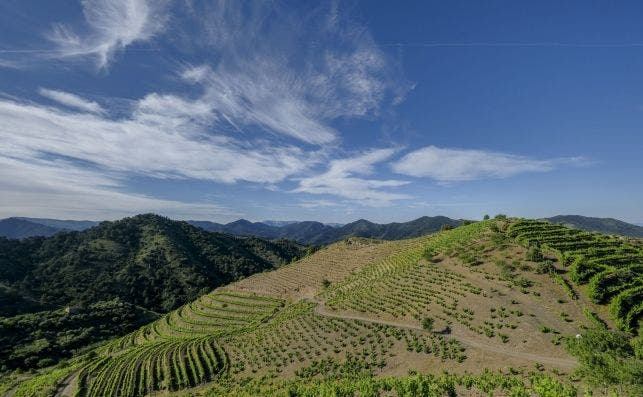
(111, 26)
(457, 165)
(72, 100)
(344, 178)
(290, 74)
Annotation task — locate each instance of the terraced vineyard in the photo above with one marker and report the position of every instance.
(611, 268)
(358, 317)
(180, 350)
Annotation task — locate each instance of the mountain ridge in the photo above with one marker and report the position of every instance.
(313, 232)
(600, 225)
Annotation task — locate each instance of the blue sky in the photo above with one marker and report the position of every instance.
(328, 111)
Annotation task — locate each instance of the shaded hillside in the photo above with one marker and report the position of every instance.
(310, 232)
(600, 225)
(144, 262)
(21, 228)
(63, 224)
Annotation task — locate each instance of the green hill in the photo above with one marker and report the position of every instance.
(498, 307)
(145, 264)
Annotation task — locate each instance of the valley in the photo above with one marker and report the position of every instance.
(496, 306)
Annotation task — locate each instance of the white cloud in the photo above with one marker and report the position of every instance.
(454, 165)
(112, 25)
(317, 203)
(44, 187)
(340, 180)
(72, 100)
(291, 74)
(152, 142)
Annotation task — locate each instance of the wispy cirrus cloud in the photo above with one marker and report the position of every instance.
(317, 203)
(278, 77)
(110, 26)
(345, 178)
(151, 141)
(457, 165)
(291, 74)
(82, 161)
(72, 100)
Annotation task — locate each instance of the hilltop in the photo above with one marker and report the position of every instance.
(498, 304)
(134, 268)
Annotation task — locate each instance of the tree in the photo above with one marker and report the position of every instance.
(486, 217)
(446, 226)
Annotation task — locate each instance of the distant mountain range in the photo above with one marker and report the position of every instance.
(18, 227)
(310, 232)
(600, 225)
(307, 232)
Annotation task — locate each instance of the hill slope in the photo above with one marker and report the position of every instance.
(599, 225)
(144, 263)
(356, 317)
(18, 228)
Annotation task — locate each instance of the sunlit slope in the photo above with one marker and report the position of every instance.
(481, 296)
(611, 268)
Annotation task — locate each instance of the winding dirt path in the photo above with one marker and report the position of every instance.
(321, 310)
(65, 388)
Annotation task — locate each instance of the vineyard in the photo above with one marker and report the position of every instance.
(369, 318)
(333, 263)
(611, 268)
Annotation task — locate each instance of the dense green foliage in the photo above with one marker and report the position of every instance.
(609, 359)
(146, 261)
(612, 267)
(41, 339)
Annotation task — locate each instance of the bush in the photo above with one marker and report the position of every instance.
(545, 267)
(534, 254)
(609, 359)
(427, 323)
(446, 226)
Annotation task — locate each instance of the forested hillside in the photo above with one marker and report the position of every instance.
(144, 263)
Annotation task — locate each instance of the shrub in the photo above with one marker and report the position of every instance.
(427, 323)
(608, 359)
(534, 254)
(545, 267)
